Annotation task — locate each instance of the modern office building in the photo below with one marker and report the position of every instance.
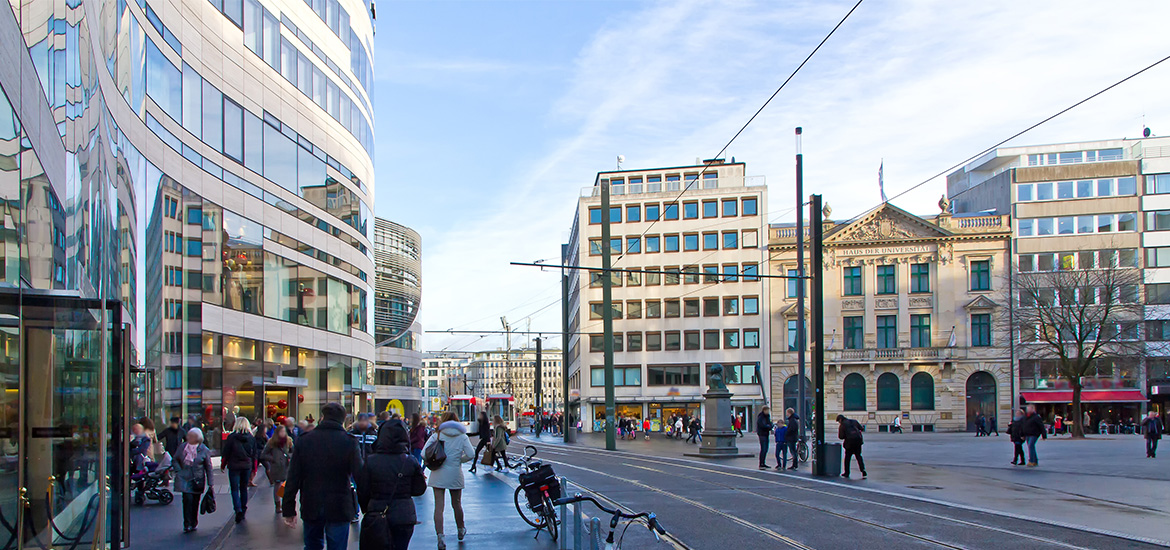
(186, 230)
(693, 240)
(914, 307)
(1087, 205)
(397, 332)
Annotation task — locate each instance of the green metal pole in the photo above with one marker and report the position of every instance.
(607, 318)
(564, 348)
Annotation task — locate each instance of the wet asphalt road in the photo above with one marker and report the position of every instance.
(730, 507)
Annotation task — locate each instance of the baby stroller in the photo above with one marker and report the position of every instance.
(149, 481)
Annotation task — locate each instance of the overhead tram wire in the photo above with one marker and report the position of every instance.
(1018, 134)
(708, 163)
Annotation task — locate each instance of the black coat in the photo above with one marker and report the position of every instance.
(485, 427)
(763, 425)
(389, 474)
(1153, 428)
(850, 432)
(1033, 426)
(792, 429)
(239, 451)
(1016, 430)
(170, 438)
(324, 462)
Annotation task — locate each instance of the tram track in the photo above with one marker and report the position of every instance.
(679, 463)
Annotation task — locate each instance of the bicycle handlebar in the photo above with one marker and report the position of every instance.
(651, 519)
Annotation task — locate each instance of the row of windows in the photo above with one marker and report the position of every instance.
(691, 210)
(1108, 331)
(887, 279)
(1078, 296)
(1071, 225)
(889, 392)
(1085, 259)
(1080, 189)
(671, 308)
(673, 275)
(687, 242)
(853, 331)
(676, 340)
(673, 375)
(1075, 157)
(1102, 373)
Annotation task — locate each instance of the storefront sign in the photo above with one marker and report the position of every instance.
(887, 250)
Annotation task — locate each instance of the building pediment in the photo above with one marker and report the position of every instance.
(981, 303)
(883, 224)
(793, 311)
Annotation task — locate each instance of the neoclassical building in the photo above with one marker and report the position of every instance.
(912, 309)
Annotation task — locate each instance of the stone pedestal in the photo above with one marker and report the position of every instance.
(719, 434)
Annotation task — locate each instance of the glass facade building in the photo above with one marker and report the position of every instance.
(397, 298)
(186, 189)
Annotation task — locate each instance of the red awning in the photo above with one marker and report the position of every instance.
(1087, 396)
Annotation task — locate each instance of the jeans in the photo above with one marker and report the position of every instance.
(417, 454)
(860, 462)
(238, 479)
(191, 509)
(1151, 447)
(1032, 458)
(320, 534)
(792, 449)
(764, 440)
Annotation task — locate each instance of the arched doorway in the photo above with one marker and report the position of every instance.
(889, 392)
(854, 392)
(792, 396)
(980, 397)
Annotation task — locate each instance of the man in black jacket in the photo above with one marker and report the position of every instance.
(1033, 429)
(323, 465)
(1152, 426)
(791, 436)
(849, 431)
(764, 431)
(365, 434)
(171, 436)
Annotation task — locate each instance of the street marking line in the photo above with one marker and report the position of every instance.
(856, 499)
(764, 530)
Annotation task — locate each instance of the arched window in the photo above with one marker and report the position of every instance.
(792, 395)
(889, 392)
(854, 386)
(922, 392)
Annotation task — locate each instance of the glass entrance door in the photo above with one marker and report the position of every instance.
(61, 426)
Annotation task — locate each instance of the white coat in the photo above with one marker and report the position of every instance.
(459, 450)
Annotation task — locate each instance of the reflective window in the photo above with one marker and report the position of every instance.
(254, 145)
(164, 82)
(192, 101)
(233, 130)
(212, 117)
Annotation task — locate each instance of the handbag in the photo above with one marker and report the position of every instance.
(208, 504)
(489, 457)
(435, 454)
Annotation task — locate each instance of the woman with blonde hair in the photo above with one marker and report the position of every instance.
(239, 456)
(449, 476)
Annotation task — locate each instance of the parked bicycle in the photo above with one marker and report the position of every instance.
(539, 487)
(646, 518)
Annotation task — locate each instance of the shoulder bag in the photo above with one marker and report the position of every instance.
(435, 454)
(375, 529)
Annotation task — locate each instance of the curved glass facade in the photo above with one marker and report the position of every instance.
(398, 289)
(185, 229)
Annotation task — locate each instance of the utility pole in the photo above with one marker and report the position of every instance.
(565, 345)
(800, 335)
(607, 317)
(508, 357)
(537, 393)
(818, 303)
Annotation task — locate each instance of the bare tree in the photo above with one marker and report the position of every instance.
(1077, 317)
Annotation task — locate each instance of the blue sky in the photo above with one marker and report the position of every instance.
(492, 115)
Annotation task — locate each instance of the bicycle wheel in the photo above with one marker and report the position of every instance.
(802, 451)
(550, 517)
(530, 516)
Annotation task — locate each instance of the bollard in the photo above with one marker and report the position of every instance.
(564, 540)
(578, 528)
(595, 534)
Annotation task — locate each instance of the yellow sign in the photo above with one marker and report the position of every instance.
(395, 406)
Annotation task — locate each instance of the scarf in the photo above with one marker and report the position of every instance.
(189, 452)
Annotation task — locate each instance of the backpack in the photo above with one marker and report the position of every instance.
(853, 431)
(435, 455)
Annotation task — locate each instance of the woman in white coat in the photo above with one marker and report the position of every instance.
(449, 476)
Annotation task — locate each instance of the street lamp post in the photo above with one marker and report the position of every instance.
(607, 316)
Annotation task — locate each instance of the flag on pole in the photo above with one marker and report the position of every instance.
(881, 180)
(951, 343)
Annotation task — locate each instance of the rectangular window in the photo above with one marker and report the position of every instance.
(730, 240)
(730, 339)
(749, 206)
(691, 340)
(653, 243)
(981, 275)
(634, 309)
(730, 273)
(792, 282)
(851, 286)
(633, 245)
(653, 309)
(595, 247)
(710, 307)
(594, 215)
(751, 338)
(730, 208)
(633, 213)
(710, 241)
(919, 277)
(633, 341)
(710, 339)
(691, 307)
(192, 101)
(690, 210)
(854, 328)
(673, 375)
(653, 341)
(1158, 293)
(691, 275)
(596, 342)
(671, 242)
(670, 211)
(792, 335)
(673, 308)
(1024, 192)
(920, 331)
(731, 305)
(652, 211)
(1158, 257)
(634, 278)
(751, 272)
(710, 209)
(887, 331)
(164, 82)
(615, 214)
(690, 242)
(981, 329)
(673, 340)
(653, 277)
(887, 282)
(670, 275)
(751, 305)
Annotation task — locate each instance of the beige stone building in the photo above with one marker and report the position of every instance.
(514, 373)
(911, 319)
